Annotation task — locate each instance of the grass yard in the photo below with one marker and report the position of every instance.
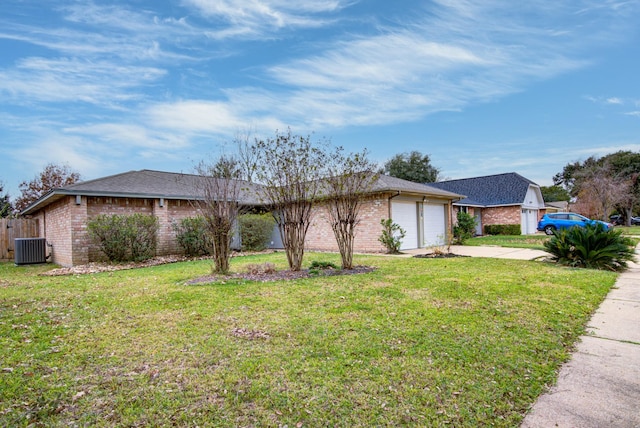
(535, 242)
(418, 342)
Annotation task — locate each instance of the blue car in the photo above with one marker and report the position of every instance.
(556, 221)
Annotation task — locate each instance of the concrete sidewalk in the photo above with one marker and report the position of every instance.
(600, 385)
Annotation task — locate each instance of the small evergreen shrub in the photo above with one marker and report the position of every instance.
(143, 231)
(392, 236)
(124, 238)
(502, 229)
(465, 228)
(193, 236)
(317, 267)
(110, 233)
(255, 231)
(591, 247)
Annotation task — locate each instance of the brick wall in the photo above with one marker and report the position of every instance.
(320, 236)
(501, 215)
(176, 211)
(64, 224)
(55, 221)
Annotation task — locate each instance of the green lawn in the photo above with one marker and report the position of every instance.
(516, 241)
(427, 342)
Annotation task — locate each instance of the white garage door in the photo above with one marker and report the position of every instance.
(435, 225)
(529, 221)
(405, 214)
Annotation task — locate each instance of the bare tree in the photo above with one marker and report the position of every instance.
(220, 189)
(600, 192)
(351, 177)
(52, 177)
(290, 168)
(247, 156)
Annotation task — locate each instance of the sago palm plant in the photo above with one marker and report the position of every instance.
(591, 247)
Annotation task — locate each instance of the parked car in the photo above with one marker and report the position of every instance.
(617, 219)
(556, 221)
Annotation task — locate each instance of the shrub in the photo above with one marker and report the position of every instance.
(318, 267)
(255, 231)
(464, 228)
(142, 231)
(193, 237)
(591, 247)
(502, 229)
(110, 233)
(125, 238)
(392, 235)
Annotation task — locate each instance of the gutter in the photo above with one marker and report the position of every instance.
(389, 201)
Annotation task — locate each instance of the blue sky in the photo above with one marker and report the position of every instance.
(483, 86)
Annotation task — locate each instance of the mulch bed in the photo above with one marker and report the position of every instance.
(97, 267)
(281, 275)
(156, 261)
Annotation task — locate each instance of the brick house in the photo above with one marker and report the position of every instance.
(425, 212)
(507, 198)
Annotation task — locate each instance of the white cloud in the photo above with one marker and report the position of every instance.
(614, 100)
(73, 80)
(256, 17)
(633, 113)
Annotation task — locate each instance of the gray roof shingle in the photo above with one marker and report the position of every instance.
(492, 190)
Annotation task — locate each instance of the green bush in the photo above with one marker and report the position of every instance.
(502, 229)
(591, 247)
(392, 235)
(193, 236)
(255, 231)
(125, 238)
(465, 227)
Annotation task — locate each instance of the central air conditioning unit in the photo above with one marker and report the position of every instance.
(30, 250)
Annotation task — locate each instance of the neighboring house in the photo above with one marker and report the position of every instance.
(425, 212)
(559, 206)
(499, 199)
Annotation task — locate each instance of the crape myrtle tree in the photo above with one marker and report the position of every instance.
(290, 170)
(350, 178)
(52, 177)
(220, 207)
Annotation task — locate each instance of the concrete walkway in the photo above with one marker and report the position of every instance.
(600, 385)
(488, 251)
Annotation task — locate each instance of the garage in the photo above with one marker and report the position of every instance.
(405, 214)
(435, 225)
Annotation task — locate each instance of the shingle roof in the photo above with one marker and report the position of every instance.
(491, 190)
(158, 184)
(143, 184)
(388, 183)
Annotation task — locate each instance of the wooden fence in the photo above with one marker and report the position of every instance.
(15, 228)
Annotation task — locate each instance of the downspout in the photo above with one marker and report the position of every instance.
(389, 202)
